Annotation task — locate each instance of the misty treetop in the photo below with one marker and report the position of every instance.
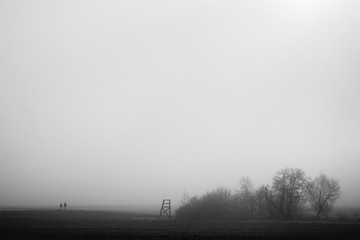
(290, 192)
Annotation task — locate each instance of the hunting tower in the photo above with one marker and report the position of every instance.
(165, 208)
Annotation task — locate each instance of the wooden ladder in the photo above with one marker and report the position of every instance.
(165, 209)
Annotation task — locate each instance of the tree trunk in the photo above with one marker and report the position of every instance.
(318, 214)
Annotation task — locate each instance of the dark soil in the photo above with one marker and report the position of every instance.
(117, 225)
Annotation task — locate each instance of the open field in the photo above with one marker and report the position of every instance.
(70, 224)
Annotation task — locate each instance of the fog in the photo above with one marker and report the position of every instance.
(131, 102)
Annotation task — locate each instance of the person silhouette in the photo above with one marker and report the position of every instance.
(61, 206)
(65, 205)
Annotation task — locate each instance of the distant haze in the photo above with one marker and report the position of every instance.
(130, 102)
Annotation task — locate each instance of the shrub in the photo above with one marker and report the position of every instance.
(214, 205)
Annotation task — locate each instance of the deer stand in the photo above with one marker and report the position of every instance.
(165, 209)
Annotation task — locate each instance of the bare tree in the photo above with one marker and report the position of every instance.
(322, 192)
(185, 197)
(263, 208)
(245, 187)
(287, 192)
(245, 197)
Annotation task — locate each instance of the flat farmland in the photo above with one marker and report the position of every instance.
(70, 224)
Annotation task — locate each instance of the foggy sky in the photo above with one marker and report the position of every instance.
(130, 102)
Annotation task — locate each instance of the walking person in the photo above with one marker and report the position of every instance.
(65, 205)
(61, 206)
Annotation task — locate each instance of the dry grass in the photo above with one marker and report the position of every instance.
(119, 225)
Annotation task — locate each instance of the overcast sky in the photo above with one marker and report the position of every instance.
(130, 102)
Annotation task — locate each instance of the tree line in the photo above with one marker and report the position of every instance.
(285, 198)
